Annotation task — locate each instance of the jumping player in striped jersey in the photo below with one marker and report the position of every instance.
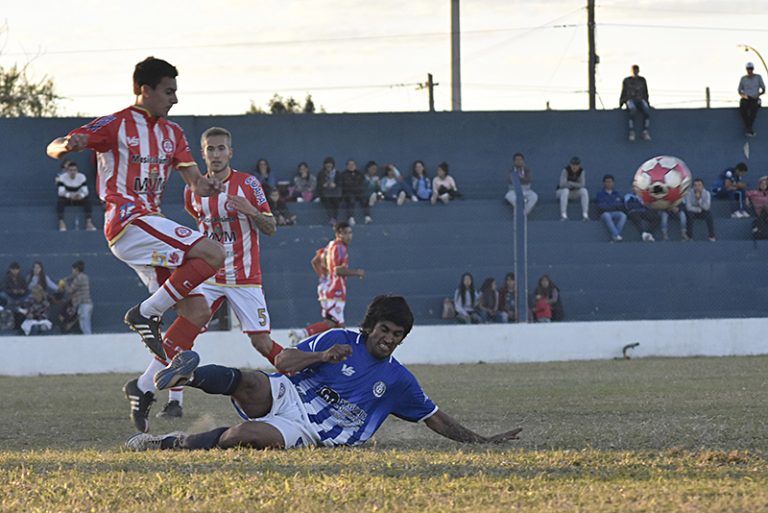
(233, 218)
(136, 148)
(343, 386)
(332, 266)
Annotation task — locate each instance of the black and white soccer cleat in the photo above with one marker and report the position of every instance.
(140, 403)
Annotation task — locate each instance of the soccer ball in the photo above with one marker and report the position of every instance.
(662, 182)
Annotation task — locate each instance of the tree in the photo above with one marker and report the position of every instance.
(279, 105)
(21, 97)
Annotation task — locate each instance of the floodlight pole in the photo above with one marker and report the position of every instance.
(593, 58)
(520, 237)
(748, 48)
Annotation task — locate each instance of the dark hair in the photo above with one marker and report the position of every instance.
(489, 296)
(43, 280)
(413, 166)
(742, 166)
(545, 291)
(327, 160)
(509, 275)
(518, 154)
(443, 166)
(605, 177)
(340, 226)
(258, 163)
(151, 72)
(67, 163)
(463, 289)
(370, 164)
(390, 308)
(79, 265)
(298, 168)
(698, 180)
(14, 265)
(636, 68)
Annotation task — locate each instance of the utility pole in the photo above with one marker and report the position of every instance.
(455, 57)
(593, 58)
(431, 89)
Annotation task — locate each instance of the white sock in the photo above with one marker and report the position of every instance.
(158, 303)
(146, 380)
(176, 394)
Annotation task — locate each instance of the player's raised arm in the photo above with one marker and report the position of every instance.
(63, 145)
(294, 360)
(445, 425)
(199, 184)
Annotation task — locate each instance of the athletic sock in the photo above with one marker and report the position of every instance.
(216, 379)
(276, 350)
(317, 327)
(207, 440)
(176, 394)
(180, 336)
(189, 275)
(146, 380)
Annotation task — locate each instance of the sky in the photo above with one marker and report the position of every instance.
(362, 56)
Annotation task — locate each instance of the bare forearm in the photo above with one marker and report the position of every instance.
(343, 271)
(266, 224)
(57, 148)
(443, 424)
(294, 360)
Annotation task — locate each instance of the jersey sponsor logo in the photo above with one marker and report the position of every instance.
(219, 235)
(345, 413)
(126, 210)
(183, 231)
(96, 124)
(379, 388)
(148, 159)
(174, 258)
(167, 146)
(254, 184)
(347, 370)
(133, 141)
(329, 395)
(153, 183)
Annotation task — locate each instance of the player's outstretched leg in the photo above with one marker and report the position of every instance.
(180, 371)
(148, 329)
(140, 403)
(146, 442)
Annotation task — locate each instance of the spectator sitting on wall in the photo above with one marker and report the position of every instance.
(15, 286)
(444, 187)
(610, 206)
(526, 178)
(420, 183)
(279, 208)
(73, 192)
(304, 184)
(698, 203)
(264, 175)
(488, 304)
(508, 299)
(465, 301)
(547, 289)
(35, 311)
(329, 189)
(634, 93)
(757, 199)
(78, 289)
(751, 87)
(730, 184)
(37, 276)
(352, 184)
(542, 311)
(572, 185)
(645, 219)
(393, 187)
(372, 185)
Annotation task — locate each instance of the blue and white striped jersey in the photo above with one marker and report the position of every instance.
(348, 401)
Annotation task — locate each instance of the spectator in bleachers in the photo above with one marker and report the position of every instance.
(352, 191)
(35, 311)
(37, 276)
(698, 203)
(78, 289)
(394, 187)
(547, 290)
(73, 192)
(757, 199)
(526, 178)
(329, 189)
(679, 213)
(304, 184)
(751, 87)
(730, 184)
(572, 186)
(15, 287)
(420, 183)
(610, 206)
(541, 310)
(634, 92)
(508, 299)
(465, 301)
(444, 187)
(279, 208)
(488, 302)
(372, 185)
(645, 219)
(264, 176)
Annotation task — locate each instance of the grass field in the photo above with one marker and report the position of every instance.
(638, 435)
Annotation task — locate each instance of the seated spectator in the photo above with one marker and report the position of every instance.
(420, 183)
(372, 185)
(393, 187)
(279, 208)
(508, 299)
(68, 319)
(78, 288)
(645, 219)
(329, 189)
(264, 175)
(526, 178)
(37, 276)
(73, 192)
(304, 184)
(610, 206)
(679, 213)
(547, 290)
(698, 202)
(352, 184)
(572, 186)
(15, 288)
(542, 311)
(757, 199)
(465, 301)
(35, 311)
(444, 187)
(488, 303)
(730, 185)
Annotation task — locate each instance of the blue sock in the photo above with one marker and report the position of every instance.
(216, 379)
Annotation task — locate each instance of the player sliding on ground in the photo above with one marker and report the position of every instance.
(341, 386)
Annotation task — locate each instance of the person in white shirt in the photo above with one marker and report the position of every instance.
(73, 191)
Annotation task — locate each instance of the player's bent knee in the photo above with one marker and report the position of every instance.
(254, 394)
(256, 435)
(210, 251)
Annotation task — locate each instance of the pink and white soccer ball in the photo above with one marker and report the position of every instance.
(662, 182)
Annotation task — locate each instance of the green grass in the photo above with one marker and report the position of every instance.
(638, 435)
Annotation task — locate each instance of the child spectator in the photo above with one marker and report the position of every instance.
(757, 199)
(420, 183)
(329, 189)
(279, 208)
(610, 206)
(35, 311)
(508, 299)
(264, 175)
(572, 185)
(465, 301)
(542, 312)
(304, 184)
(698, 202)
(78, 288)
(551, 293)
(488, 304)
(73, 192)
(352, 184)
(730, 185)
(444, 186)
(393, 187)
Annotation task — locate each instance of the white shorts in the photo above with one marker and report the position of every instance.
(334, 309)
(248, 303)
(287, 414)
(153, 246)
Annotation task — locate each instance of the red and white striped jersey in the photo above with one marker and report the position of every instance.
(234, 230)
(135, 153)
(336, 255)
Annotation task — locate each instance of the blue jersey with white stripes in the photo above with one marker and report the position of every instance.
(348, 401)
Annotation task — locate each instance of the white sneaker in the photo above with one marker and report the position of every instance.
(647, 237)
(585, 217)
(351, 221)
(146, 442)
(372, 199)
(736, 215)
(368, 219)
(744, 214)
(563, 217)
(631, 136)
(414, 198)
(401, 198)
(618, 238)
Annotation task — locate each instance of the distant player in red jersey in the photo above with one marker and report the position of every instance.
(136, 149)
(233, 218)
(333, 259)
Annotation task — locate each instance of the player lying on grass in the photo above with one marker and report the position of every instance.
(337, 389)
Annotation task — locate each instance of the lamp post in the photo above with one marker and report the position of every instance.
(748, 48)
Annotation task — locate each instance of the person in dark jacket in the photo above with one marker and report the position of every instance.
(634, 93)
(329, 188)
(610, 206)
(352, 184)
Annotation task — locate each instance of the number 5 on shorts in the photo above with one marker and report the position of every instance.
(262, 316)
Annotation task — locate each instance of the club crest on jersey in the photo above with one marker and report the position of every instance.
(281, 391)
(379, 388)
(167, 145)
(183, 231)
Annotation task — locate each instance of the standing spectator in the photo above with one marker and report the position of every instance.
(35, 310)
(352, 183)
(645, 219)
(264, 176)
(279, 208)
(420, 183)
(508, 299)
(372, 185)
(444, 186)
(526, 177)
(698, 202)
(465, 301)
(610, 206)
(78, 289)
(37, 276)
(572, 185)
(488, 304)
(758, 198)
(679, 212)
(547, 290)
(730, 185)
(304, 184)
(15, 287)
(329, 189)
(73, 192)
(393, 186)
(751, 86)
(634, 93)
